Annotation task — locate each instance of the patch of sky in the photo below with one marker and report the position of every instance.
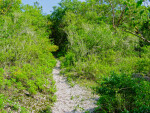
(47, 5)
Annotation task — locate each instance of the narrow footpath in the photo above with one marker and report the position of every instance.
(71, 99)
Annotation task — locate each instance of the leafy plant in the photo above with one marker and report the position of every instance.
(121, 93)
(26, 61)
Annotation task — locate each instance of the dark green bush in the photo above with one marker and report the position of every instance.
(121, 93)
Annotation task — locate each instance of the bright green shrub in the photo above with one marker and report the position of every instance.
(1, 78)
(94, 50)
(26, 61)
(121, 93)
(69, 59)
(143, 66)
(97, 62)
(2, 101)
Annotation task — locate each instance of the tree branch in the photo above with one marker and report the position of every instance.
(121, 16)
(141, 37)
(8, 8)
(113, 13)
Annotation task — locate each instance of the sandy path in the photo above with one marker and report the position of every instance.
(71, 99)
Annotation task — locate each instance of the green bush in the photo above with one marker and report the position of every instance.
(26, 59)
(1, 78)
(121, 93)
(95, 50)
(142, 66)
(2, 101)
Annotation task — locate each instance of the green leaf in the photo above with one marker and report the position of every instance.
(139, 3)
(126, 9)
(141, 12)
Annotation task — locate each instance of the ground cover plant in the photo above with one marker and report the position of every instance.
(26, 60)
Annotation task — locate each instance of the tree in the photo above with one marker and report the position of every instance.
(7, 6)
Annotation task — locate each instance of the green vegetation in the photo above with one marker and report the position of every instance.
(121, 93)
(26, 61)
(98, 37)
(103, 43)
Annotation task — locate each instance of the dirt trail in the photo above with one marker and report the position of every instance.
(71, 99)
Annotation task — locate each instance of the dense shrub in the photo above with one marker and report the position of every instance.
(121, 93)
(94, 51)
(26, 60)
